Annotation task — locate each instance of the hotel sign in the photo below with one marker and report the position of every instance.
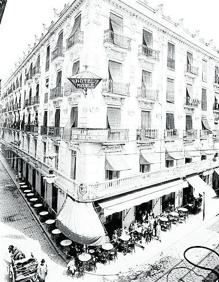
(85, 83)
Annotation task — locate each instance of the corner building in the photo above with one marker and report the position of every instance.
(135, 141)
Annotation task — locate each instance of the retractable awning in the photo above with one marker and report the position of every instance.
(205, 123)
(192, 152)
(80, 223)
(200, 186)
(149, 158)
(209, 152)
(116, 163)
(136, 198)
(174, 155)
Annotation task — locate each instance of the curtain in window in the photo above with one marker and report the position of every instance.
(170, 90)
(57, 118)
(113, 117)
(77, 25)
(189, 59)
(147, 38)
(188, 122)
(115, 71)
(76, 68)
(170, 121)
(204, 100)
(74, 117)
(146, 79)
(115, 24)
(189, 90)
(59, 79)
(145, 120)
(171, 51)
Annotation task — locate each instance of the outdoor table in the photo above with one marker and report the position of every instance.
(84, 257)
(66, 243)
(22, 183)
(91, 251)
(124, 237)
(33, 201)
(174, 214)
(183, 209)
(24, 186)
(163, 218)
(38, 207)
(30, 195)
(56, 234)
(43, 215)
(50, 223)
(107, 246)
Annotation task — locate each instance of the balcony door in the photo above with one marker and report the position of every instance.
(145, 120)
(147, 38)
(54, 197)
(57, 118)
(188, 122)
(74, 117)
(115, 24)
(146, 79)
(45, 118)
(113, 118)
(59, 79)
(115, 74)
(170, 121)
(29, 117)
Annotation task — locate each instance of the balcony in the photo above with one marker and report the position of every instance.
(36, 100)
(205, 134)
(36, 71)
(171, 134)
(113, 87)
(150, 53)
(117, 40)
(171, 63)
(51, 131)
(192, 70)
(56, 92)
(147, 94)
(191, 103)
(30, 128)
(93, 135)
(58, 52)
(190, 135)
(76, 38)
(146, 135)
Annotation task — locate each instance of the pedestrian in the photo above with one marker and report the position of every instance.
(42, 271)
(158, 232)
(155, 226)
(71, 267)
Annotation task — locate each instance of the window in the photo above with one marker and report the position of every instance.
(112, 174)
(28, 144)
(115, 71)
(216, 80)
(45, 118)
(76, 68)
(59, 44)
(57, 118)
(47, 83)
(189, 93)
(113, 118)
(147, 39)
(169, 163)
(170, 90)
(74, 117)
(145, 168)
(73, 164)
(145, 120)
(57, 156)
(189, 61)
(59, 79)
(188, 122)
(37, 90)
(115, 24)
(204, 70)
(47, 57)
(44, 152)
(21, 80)
(35, 148)
(171, 56)
(204, 99)
(170, 121)
(54, 197)
(146, 79)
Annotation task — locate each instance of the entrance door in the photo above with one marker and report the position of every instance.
(34, 179)
(27, 172)
(42, 192)
(113, 222)
(54, 198)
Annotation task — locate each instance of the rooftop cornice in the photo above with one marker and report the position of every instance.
(64, 14)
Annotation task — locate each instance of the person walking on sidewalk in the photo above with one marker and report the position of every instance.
(42, 271)
(158, 229)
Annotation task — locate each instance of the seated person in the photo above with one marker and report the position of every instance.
(16, 254)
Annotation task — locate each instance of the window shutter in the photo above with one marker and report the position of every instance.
(59, 79)
(114, 117)
(170, 90)
(170, 121)
(115, 71)
(147, 38)
(189, 59)
(146, 79)
(188, 122)
(204, 100)
(116, 24)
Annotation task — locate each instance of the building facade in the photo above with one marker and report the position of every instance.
(130, 143)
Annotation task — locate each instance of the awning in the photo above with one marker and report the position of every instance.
(192, 152)
(200, 186)
(116, 163)
(209, 152)
(174, 155)
(205, 123)
(149, 158)
(80, 223)
(217, 171)
(136, 198)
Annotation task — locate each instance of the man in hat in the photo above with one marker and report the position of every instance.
(42, 271)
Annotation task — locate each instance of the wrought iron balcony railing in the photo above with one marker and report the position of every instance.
(56, 92)
(190, 102)
(204, 134)
(147, 93)
(192, 69)
(146, 134)
(171, 63)
(190, 134)
(51, 131)
(74, 39)
(171, 133)
(36, 100)
(31, 128)
(117, 39)
(114, 87)
(143, 50)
